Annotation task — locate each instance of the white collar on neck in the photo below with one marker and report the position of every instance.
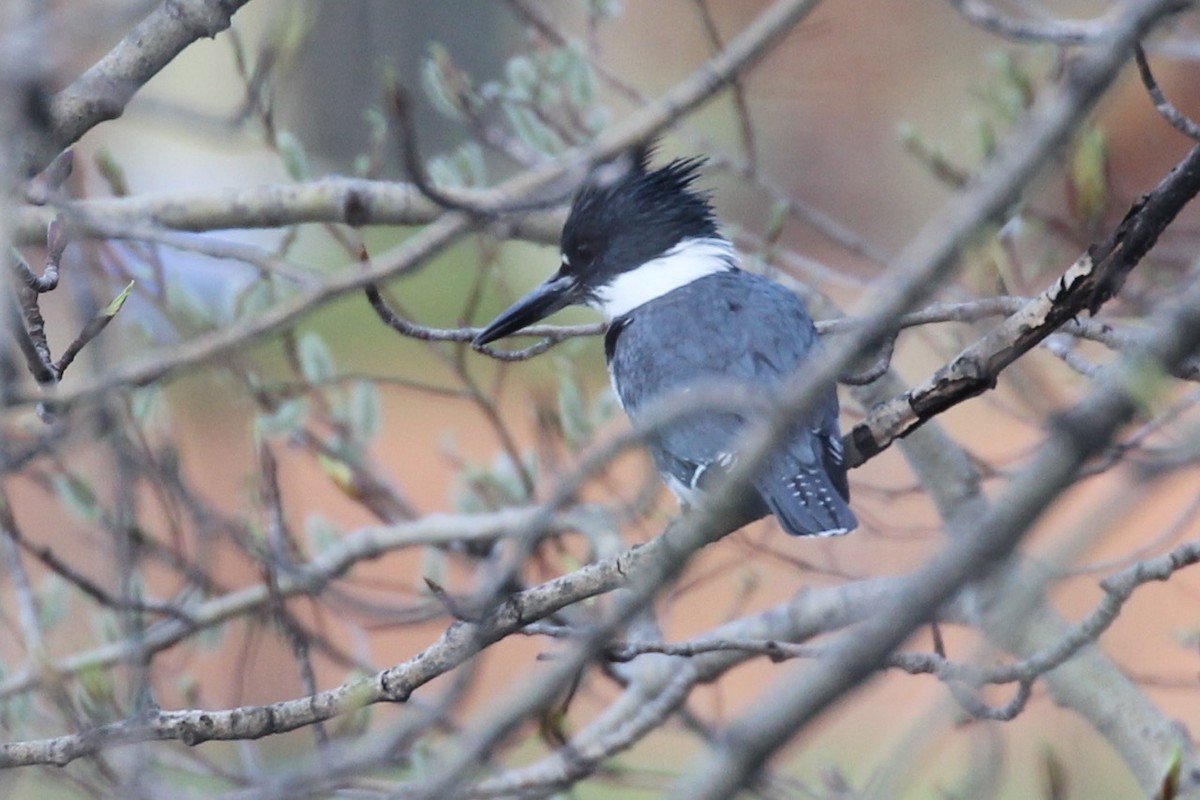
(687, 261)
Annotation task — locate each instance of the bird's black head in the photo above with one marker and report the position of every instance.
(618, 223)
(625, 217)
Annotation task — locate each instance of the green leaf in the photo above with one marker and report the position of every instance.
(287, 418)
(464, 167)
(1057, 782)
(358, 699)
(316, 361)
(604, 407)
(1019, 80)
(521, 75)
(605, 9)
(295, 160)
(1089, 176)
(377, 125)
(210, 638)
(95, 695)
(479, 489)
(339, 472)
(77, 496)
(112, 172)
(436, 76)
(779, 218)
(148, 406)
(295, 30)
(443, 171)
(572, 414)
(1169, 788)
(579, 80)
(472, 163)
(434, 565)
(597, 119)
(112, 308)
(531, 130)
(189, 314)
(363, 411)
(106, 626)
(988, 139)
(1146, 382)
(52, 602)
(252, 299)
(933, 157)
(321, 534)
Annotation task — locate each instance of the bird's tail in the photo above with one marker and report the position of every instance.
(806, 503)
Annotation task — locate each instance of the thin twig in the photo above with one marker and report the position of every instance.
(1179, 121)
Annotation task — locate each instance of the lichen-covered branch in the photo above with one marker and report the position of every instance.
(1094, 278)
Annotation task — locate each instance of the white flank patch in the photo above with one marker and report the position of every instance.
(686, 495)
(687, 261)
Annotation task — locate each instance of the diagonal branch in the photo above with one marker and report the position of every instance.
(103, 91)
(1092, 280)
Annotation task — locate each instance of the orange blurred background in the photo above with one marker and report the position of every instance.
(827, 107)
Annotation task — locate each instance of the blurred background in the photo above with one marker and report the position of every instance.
(868, 116)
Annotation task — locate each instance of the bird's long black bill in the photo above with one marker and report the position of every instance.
(555, 294)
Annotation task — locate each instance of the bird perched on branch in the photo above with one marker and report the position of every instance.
(642, 247)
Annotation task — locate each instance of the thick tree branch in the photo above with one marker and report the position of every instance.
(1061, 32)
(106, 88)
(1093, 279)
(348, 201)
(807, 614)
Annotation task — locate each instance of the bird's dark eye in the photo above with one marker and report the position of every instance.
(577, 257)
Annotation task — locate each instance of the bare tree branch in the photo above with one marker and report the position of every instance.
(364, 544)
(102, 92)
(986, 16)
(1094, 278)
(321, 610)
(1165, 107)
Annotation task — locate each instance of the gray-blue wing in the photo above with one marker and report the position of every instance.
(738, 327)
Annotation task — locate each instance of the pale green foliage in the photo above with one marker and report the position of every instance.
(580, 418)
(112, 308)
(547, 98)
(292, 153)
(76, 496)
(316, 360)
(463, 167)
(52, 602)
(321, 534)
(287, 418)
(478, 489)
(362, 411)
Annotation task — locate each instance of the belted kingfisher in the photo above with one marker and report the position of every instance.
(642, 247)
